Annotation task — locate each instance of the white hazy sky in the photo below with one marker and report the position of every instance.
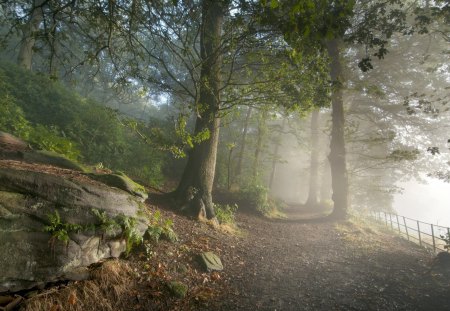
(425, 202)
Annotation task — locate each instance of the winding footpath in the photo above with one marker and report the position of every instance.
(328, 266)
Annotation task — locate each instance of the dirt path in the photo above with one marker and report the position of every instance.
(274, 265)
(323, 266)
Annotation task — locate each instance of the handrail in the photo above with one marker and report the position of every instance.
(416, 233)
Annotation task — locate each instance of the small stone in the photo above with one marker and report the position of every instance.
(211, 262)
(178, 289)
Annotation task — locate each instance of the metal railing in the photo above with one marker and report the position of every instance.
(425, 234)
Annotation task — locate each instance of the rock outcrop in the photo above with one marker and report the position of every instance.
(32, 256)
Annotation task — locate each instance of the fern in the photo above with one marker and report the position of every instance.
(59, 230)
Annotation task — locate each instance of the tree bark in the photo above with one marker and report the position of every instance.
(339, 178)
(25, 57)
(243, 143)
(325, 184)
(259, 142)
(314, 169)
(276, 156)
(195, 188)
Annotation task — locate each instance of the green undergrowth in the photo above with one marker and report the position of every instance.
(160, 228)
(60, 230)
(49, 116)
(226, 214)
(105, 225)
(257, 197)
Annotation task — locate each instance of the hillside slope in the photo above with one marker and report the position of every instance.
(270, 266)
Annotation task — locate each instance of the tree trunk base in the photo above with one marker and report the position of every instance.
(194, 204)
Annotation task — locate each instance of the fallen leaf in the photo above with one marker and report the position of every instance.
(72, 298)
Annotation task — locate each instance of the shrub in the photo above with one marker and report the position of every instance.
(160, 228)
(226, 213)
(257, 196)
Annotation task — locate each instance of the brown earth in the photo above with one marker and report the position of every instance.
(270, 265)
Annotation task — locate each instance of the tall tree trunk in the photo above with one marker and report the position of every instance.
(243, 143)
(314, 169)
(325, 184)
(195, 188)
(25, 57)
(276, 156)
(262, 130)
(339, 178)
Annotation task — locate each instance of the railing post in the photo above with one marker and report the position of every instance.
(398, 224)
(432, 234)
(406, 227)
(418, 231)
(448, 237)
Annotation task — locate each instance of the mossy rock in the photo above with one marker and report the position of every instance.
(52, 158)
(211, 262)
(178, 289)
(121, 181)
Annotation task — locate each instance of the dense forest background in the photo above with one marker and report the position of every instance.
(320, 102)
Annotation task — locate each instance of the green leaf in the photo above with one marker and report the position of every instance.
(274, 4)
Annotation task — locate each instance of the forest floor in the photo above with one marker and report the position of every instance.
(268, 265)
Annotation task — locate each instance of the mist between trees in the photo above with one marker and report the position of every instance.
(325, 102)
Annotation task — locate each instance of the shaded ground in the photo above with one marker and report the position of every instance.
(272, 265)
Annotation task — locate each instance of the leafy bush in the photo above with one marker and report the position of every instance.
(129, 231)
(49, 139)
(160, 228)
(226, 213)
(257, 196)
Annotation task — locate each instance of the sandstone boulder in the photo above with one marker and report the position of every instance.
(30, 256)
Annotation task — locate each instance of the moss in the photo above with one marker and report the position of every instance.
(52, 158)
(120, 181)
(178, 289)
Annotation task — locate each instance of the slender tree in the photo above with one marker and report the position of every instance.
(338, 164)
(243, 143)
(314, 167)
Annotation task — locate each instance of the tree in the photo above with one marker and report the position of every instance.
(338, 164)
(195, 187)
(314, 169)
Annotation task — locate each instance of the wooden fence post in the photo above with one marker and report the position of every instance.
(432, 235)
(398, 224)
(406, 227)
(418, 231)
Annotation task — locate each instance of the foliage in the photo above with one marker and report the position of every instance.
(160, 228)
(127, 224)
(48, 116)
(60, 230)
(400, 155)
(48, 138)
(258, 196)
(106, 224)
(226, 213)
(130, 232)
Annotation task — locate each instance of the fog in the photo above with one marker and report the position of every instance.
(428, 202)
